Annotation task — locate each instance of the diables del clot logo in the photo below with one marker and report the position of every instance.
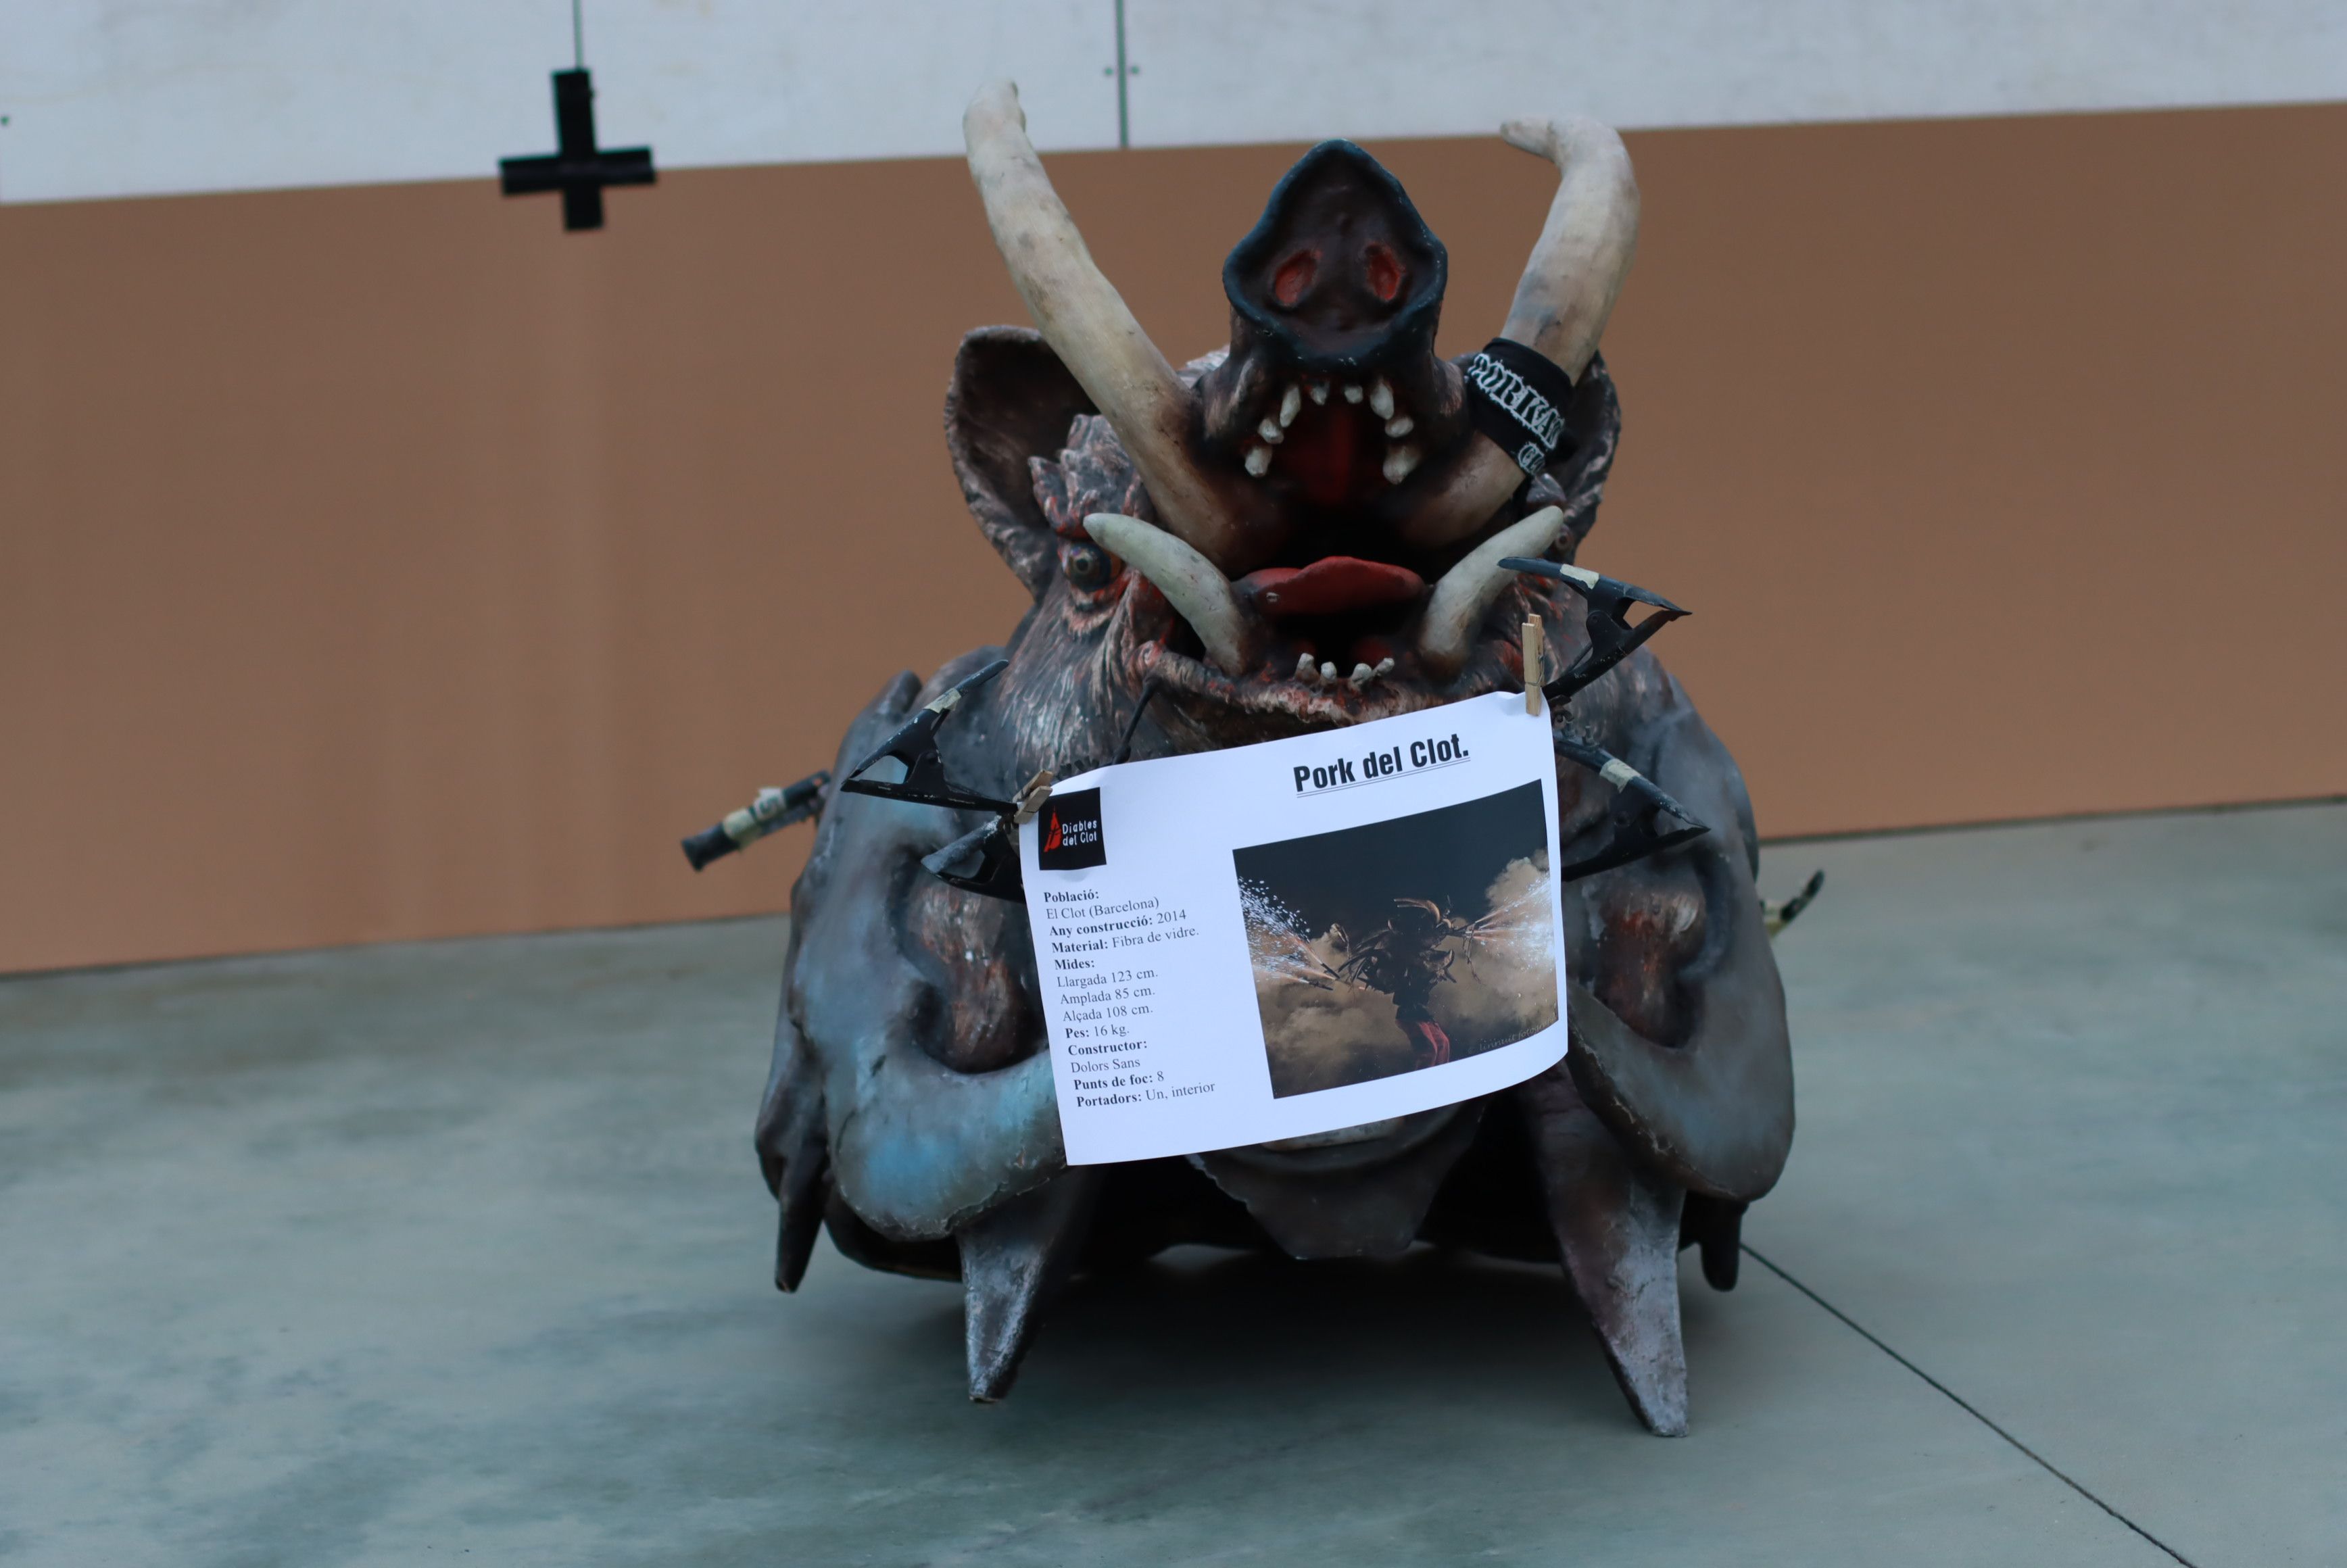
(1068, 837)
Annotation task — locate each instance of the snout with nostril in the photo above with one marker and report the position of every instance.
(1339, 288)
(1341, 275)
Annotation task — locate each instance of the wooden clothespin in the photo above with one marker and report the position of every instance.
(1032, 798)
(1535, 664)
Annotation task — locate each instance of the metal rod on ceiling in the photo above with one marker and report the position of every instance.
(1123, 119)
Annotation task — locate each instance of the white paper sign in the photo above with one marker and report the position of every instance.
(1306, 934)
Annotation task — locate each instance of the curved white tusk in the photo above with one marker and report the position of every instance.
(1189, 581)
(1087, 322)
(1467, 591)
(1584, 253)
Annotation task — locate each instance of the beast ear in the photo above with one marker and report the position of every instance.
(1011, 399)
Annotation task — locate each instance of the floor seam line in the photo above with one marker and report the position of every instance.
(1964, 1405)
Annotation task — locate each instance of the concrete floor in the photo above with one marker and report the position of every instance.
(405, 1253)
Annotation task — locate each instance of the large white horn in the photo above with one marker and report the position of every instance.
(1189, 581)
(1561, 303)
(1467, 591)
(1086, 321)
(1584, 254)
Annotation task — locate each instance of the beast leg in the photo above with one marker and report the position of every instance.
(1012, 1258)
(1717, 1226)
(1618, 1229)
(807, 1188)
(793, 1152)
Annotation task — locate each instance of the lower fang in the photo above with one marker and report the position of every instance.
(1258, 461)
(1400, 424)
(1327, 672)
(1304, 669)
(1361, 676)
(1352, 392)
(1399, 461)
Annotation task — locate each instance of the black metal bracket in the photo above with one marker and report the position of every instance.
(984, 860)
(1639, 808)
(1612, 637)
(916, 746)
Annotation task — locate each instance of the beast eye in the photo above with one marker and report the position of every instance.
(1086, 566)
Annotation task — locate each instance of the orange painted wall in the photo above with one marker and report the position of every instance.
(383, 562)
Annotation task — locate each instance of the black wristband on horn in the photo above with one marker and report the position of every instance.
(1518, 396)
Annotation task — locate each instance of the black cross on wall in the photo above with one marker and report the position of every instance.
(580, 170)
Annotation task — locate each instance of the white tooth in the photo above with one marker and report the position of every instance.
(1463, 597)
(1352, 392)
(1381, 398)
(1190, 583)
(1400, 424)
(1327, 672)
(1291, 403)
(1361, 676)
(1304, 669)
(1384, 667)
(1399, 461)
(1258, 461)
(1270, 431)
(1319, 390)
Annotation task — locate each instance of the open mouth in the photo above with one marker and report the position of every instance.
(1336, 638)
(1328, 435)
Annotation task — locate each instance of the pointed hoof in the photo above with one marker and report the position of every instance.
(1715, 1227)
(793, 1151)
(807, 1192)
(1618, 1229)
(1013, 1259)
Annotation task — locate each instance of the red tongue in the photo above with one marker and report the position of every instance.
(1330, 585)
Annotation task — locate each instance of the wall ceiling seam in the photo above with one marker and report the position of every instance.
(123, 97)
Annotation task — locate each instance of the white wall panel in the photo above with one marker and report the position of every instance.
(118, 97)
(1242, 70)
(111, 97)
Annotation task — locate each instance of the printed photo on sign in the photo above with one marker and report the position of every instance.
(1401, 945)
